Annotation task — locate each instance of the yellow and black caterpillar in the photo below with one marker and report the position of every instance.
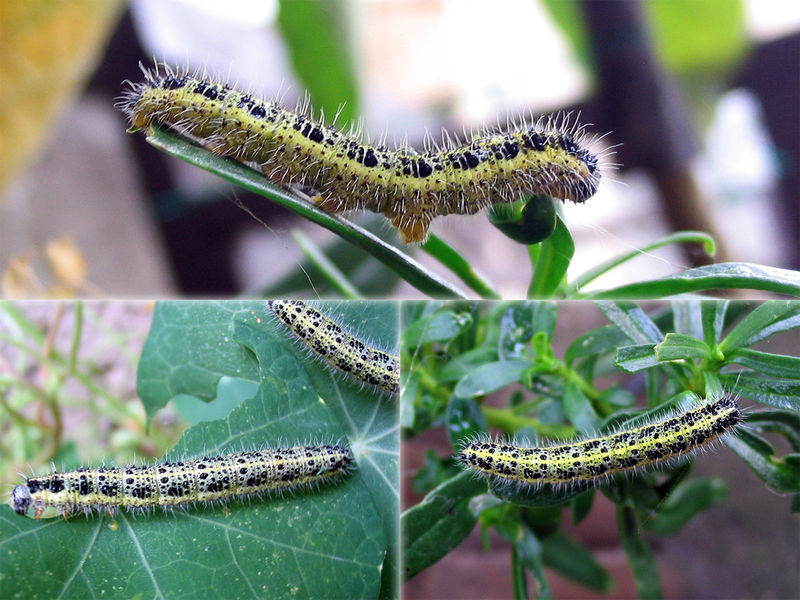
(342, 351)
(171, 484)
(408, 187)
(586, 461)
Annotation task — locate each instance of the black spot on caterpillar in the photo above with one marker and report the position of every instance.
(171, 484)
(586, 461)
(344, 352)
(410, 188)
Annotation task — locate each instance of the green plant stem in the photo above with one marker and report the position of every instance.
(505, 420)
(405, 266)
(76, 338)
(428, 382)
(520, 584)
(680, 237)
(57, 363)
(451, 259)
(568, 374)
(329, 271)
(16, 415)
(21, 320)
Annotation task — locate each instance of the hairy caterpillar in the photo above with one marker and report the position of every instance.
(170, 484)
(588, 460)
(409, 188)
(342, 351)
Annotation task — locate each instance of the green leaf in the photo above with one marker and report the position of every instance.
(596, 341)
(607, 338)
(409, 390)
(640, 557)
(581, 506)
(434, 471)
(490, 377)
(760, 317)
(462, 364)
(320, 543)
(439, 523)
(633, 321)
(778, 393)
(688, 317)
(322, 60)
(519, 582)
(529, 551)
(443, 325)
(533, 496)
(684, 502)
(782, 474)
(369, 418)
(528, 222)
(677, 346)
(688, 45)
(189, 349)
(788, 321)
(579, 409)
(681, 237)
(745, 276)
(777, 365)
(551, 266)
(785, 422)
(713, 317)
(574, 561)
(519, 322)
(411, 271)
(569, 19)
(636, 358)
(463, 420)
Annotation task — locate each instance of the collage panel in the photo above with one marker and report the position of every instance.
(244, 459)
(590, 450)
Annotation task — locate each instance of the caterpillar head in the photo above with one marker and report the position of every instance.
(21, 500)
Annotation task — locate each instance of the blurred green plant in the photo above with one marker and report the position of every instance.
(456, 354)
(45, 387)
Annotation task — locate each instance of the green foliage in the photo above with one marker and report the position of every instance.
(549, 258)
(315, 33)
(338, 541)
(693, 349)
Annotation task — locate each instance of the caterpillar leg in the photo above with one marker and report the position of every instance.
(413, 229)
(329, 205)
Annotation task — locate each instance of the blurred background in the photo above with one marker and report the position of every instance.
(701, 100)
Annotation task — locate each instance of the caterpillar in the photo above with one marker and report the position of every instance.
(586, 461)
(410, 188)
(176, 484)
(343, 352)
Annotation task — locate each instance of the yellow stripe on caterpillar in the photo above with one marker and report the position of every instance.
(586, 461)
(342, 351)
(408, 187)
(171, 484)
